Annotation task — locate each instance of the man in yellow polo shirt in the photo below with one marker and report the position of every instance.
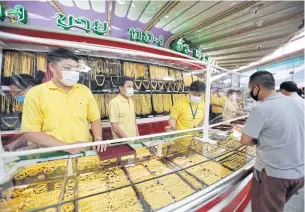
(57, 112)
(188, 112)
(121, 111)
(218, 101)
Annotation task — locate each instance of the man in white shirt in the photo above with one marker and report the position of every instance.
(290, 88)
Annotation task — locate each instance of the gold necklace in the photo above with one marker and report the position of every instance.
(10, 125)
(138, 84)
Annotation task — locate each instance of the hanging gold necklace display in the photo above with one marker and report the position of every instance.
(41, 62)
(98, 71)
(138, 84)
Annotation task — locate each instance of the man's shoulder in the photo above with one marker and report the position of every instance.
(83, 88)
(37, 89)
(115, 100)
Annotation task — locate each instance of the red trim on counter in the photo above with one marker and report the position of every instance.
(244, 204)
(240, 197)
(215, 201)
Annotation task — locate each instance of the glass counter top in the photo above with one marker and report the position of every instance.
(140, 182)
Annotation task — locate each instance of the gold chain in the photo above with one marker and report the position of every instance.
(10, 125)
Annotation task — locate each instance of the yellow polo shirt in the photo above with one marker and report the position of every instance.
(121, 111)
(182, 112)
(230, 108)
(62, 115)
(215, 99)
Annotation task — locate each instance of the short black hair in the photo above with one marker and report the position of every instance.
(124, 79)
(289, 86)
(238, 91)
(197, 86)
(61, 54)
(264, 79)
(23, 81)
(230, 92)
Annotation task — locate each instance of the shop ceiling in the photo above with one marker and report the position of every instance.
(234, 33)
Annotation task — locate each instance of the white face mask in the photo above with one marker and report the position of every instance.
(129, 92)
(233, 97)
(195, 99)
(220, 93)
(69, 78)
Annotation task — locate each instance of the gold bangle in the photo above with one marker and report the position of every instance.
(42, 188)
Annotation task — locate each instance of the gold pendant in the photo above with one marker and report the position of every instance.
(154, 84)
(117, 81)
(161, 85)
(146, 84)
(138, 84)
(103, 79)
(10, 125)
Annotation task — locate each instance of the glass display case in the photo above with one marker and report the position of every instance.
(158, 172)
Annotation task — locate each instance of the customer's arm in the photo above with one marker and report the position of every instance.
(253, 128)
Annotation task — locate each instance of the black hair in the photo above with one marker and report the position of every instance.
(264, 79)
(60, 54)
(124, 79)
(230, 92)
(289, 86)
(238, 91)
(197, 86)
(23, 81)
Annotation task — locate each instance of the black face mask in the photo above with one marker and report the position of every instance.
(255, 97)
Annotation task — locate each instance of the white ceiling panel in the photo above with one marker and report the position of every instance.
(280, 29)
(98, 5)
(229, 29)
(175, 12)
(190, 13)
(234, 19)
(121, 8)
(82, 4)
(210, 12)
(234, 48)
(136, 9)
(67, 3)
(151, 10)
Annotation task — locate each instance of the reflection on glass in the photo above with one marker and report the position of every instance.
(161, 171)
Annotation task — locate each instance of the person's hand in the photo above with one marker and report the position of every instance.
(169, 129)
(10, 147)
(101, 148)
(76, 150)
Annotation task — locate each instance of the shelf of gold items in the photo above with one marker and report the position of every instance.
(162, 103)
(234, 160)
(250, 150)
(139, 72)
(143, 105)
(144, 182)
(208, 150)
(229, 143)
(177, 97)
(9, 104)
(23, 63)
(102, 101)
(35, 186)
